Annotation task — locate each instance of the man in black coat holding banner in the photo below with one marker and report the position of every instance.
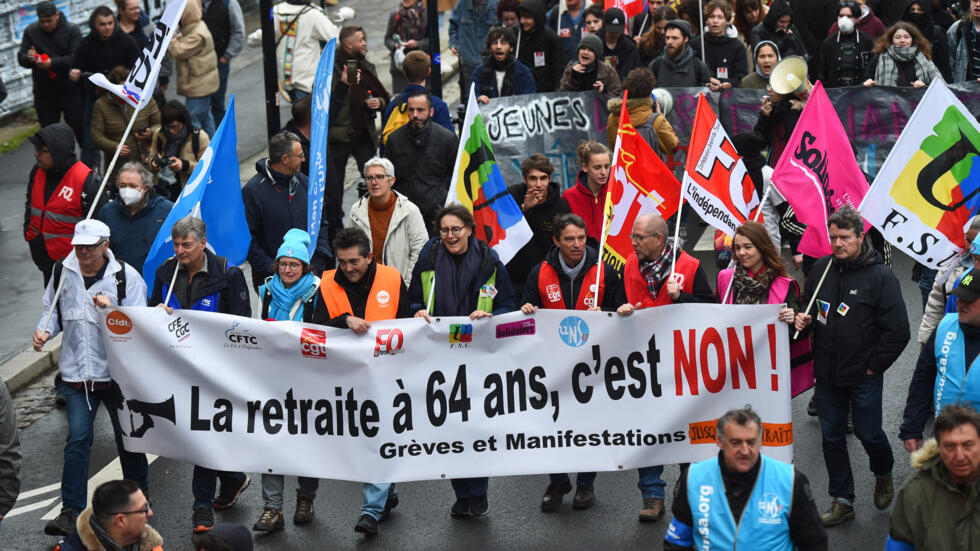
(569, 279)
(861, 329)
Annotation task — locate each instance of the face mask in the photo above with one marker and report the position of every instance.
(130, 196)
(845, 24)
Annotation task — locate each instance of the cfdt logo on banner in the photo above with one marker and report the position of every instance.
(573, 331)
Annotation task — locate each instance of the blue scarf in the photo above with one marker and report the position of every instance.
(283, 299)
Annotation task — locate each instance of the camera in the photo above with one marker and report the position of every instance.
(160, 162)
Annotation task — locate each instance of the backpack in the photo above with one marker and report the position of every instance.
(397, 119)
(120, 285)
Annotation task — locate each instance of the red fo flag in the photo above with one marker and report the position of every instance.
(716, 183)
(641, 183)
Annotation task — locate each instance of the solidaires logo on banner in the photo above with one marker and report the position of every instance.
(507, 395)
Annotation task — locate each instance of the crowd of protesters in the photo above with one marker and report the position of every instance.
(398, 239)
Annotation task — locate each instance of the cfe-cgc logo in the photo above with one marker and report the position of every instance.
(573, 331)
(119, 325)
(313, 343)
(770, 509)
(181, 330)
(241, 339)
(388, 342)
(460, 335)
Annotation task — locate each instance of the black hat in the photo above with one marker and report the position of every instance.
(614, 20)
(46, 9)
(235, 535)
(680, 25)
(969, 287)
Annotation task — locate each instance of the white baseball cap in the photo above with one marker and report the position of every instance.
(89, 232)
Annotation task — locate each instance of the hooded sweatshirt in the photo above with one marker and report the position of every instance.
(540, 49)
(95, 55)
(866, 22)
(933, 33)
(789, 41)
(624, 57)
(725, 55)
(194, 55)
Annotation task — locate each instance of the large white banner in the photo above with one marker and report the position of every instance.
(513, 394)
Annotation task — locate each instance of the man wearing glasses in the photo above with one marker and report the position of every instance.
(654, 276)
(91, 277)
(276, 202)
(117, 519)
(393, 222)
(59, 194)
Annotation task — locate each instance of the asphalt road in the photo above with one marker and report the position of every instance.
(422, 519)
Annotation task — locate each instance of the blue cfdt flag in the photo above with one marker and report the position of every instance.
(214, 194)
(319, 124)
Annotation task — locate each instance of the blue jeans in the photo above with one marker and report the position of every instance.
(375, 498)
(467, 488)
(217, 99)
(297, 95)
(865, 403)
(200, 109)
(651, 483)
(205, 482)
(927, 277)
(582, 479)
(81, 420)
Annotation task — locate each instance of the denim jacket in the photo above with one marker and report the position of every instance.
(468, 28)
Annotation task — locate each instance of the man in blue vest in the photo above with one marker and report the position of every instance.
(771, 500)
(954, 345)
(204, 281)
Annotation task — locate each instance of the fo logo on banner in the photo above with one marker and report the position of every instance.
(313, 343)
(460, 335)
(118, 323)
(770, 509)
(573, 331)
(388, 341)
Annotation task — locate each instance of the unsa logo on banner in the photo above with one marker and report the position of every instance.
(313, 343)
(573, 331)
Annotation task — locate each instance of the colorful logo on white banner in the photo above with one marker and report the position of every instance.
(573, 331)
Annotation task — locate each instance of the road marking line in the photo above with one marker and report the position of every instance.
(39, 491)
(112, 471)
(31, 507)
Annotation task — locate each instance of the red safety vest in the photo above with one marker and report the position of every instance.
(550, 290)
(382, 302)
(636, 285)
(55, 220)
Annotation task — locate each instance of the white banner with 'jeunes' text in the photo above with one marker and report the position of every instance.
(558, 391)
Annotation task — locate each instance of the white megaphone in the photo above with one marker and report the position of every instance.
(789, 76)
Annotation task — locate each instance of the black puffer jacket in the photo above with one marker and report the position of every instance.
(865, 326)
(423, 165)
(60, 46)
(724, 51)
(539, 218)
(790, 42)
(545, 42)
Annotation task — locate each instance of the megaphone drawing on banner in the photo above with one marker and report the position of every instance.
(789, 76)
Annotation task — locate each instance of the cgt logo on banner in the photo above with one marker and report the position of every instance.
(928, 189)
(313, 343)
(573, 396)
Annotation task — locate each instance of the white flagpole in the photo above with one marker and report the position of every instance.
(95, 202)
(816, 292)
(173, 281)
(701, 29)
(755, 218)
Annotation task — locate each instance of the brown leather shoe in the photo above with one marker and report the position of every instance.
(554, 495)
(653, 509)
(884, 491)
(837, 514)
(584, 497)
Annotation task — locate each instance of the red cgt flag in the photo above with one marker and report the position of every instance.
(716, 183)
(641, 183)
(629, 7)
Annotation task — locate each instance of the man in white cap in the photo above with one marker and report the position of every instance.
(93, 278)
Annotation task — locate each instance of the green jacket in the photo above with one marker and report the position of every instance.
(931, 511)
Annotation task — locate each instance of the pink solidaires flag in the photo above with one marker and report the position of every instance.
(817, 172)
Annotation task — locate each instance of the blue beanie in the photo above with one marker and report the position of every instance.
(295, 244)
